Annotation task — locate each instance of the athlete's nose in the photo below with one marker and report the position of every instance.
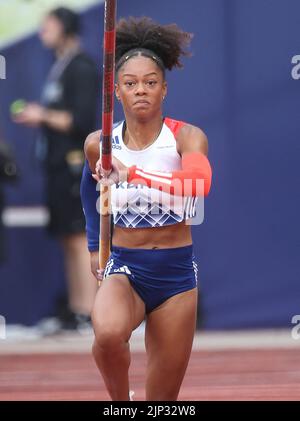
(140, 89)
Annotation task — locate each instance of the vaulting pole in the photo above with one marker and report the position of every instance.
(107, 126)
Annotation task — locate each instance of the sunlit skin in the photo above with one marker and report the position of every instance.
(141, 88)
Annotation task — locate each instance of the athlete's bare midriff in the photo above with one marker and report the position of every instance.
(177, 235)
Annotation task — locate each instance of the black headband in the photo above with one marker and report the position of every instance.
(143, 52)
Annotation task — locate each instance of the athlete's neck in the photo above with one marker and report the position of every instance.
(140, 134)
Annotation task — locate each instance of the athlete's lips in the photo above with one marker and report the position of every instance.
(142, 101)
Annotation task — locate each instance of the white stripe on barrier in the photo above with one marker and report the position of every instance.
(37, 216)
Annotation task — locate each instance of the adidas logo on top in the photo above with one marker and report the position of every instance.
(116, 143)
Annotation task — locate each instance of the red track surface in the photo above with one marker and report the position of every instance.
(212, 375)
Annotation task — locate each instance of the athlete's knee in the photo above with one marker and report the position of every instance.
(110, 337)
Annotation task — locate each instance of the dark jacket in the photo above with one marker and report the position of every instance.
(8, 173)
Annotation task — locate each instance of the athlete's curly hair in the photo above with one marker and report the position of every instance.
(168, 42)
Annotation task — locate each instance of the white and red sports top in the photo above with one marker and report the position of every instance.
(138, 206)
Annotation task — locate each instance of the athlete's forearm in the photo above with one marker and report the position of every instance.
(185, 182)
(89, 198)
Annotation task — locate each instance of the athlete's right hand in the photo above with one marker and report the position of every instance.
(117, 174)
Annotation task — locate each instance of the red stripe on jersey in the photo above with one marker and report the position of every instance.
(195, 166)
(174, 125)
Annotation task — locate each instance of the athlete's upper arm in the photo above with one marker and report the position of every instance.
(92, 149)
(191, 139)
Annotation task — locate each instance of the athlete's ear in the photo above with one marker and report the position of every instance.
(164, 89)
(117, 91)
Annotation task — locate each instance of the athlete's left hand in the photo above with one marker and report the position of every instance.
(118, 173)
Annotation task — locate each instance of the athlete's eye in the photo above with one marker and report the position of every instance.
(129, 83)
(152, 82)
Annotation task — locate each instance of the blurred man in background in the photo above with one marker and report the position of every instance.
(66, 116)
(8, 173)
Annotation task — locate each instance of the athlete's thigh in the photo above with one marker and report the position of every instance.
(170, 330)
(117, 305)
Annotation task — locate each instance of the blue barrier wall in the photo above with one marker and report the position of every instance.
(237, 87)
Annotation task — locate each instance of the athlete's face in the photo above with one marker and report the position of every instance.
(51, 32)
(141, 87)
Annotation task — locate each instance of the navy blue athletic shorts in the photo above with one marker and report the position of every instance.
(155, 274)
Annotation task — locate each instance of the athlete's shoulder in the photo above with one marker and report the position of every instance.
(91, 144)
(91, 148)
(191, 138)
(183, 130)
(174, 125)
(96, 136)
(93, 137)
